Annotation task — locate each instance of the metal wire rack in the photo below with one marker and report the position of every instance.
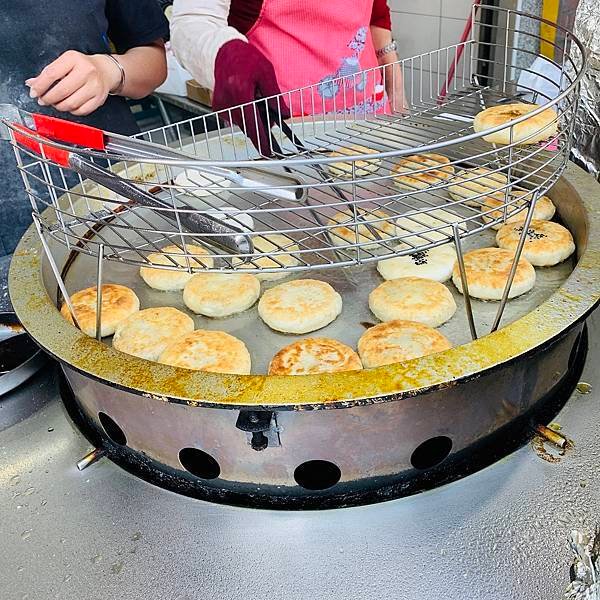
(350, 208)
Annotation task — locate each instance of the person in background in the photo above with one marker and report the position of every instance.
(247, 49)
(77, 59)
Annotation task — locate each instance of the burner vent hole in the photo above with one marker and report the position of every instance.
(112, 430)
(199, 463)
(431, 452)
(317, 474)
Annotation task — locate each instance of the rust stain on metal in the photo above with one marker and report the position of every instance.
(551, 435)
(583, 388)
(538, 445)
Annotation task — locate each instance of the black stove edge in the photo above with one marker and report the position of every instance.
(483, 453)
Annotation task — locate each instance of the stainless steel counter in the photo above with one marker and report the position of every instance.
(102, 534)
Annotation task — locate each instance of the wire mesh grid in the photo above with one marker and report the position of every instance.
(380, 175)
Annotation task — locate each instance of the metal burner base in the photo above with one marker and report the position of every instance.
(517, 398)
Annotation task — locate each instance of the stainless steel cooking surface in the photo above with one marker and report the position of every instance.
(104, 534)
(331, 439)
(353, 283)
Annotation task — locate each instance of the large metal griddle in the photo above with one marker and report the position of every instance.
(375, 434)
(334, 439)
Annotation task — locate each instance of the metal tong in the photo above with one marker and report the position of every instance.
(283, 186)
(37, 132)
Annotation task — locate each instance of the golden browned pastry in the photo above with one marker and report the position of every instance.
(412, 299)
(362, 168)
(438, 171)
(314, 355)
(118, 303)
(170, 279)
(397, 341)
(546, 243)
(300, 306)
(281, 247)
(434, 225)
(221, 294)
(530, 131)
(148, 332)
(473, 185)
(487, 271)
(516, 210)
(436, 263)
(373, 225)
(214, 351)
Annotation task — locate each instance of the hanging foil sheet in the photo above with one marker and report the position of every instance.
(586, 147)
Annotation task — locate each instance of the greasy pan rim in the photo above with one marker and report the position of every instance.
(571, 303)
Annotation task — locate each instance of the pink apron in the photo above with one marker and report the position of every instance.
(308, 43)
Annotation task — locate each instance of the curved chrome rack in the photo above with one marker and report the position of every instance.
(347, 214)
(336, 211)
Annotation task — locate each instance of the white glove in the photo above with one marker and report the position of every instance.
(198, 30)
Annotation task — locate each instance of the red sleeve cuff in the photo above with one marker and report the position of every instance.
(380, 15)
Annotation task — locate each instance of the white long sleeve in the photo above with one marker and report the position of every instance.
(198, 30)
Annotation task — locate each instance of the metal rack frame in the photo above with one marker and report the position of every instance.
(87, 219)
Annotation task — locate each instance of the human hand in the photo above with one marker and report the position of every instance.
(76, 83)
(242, 75)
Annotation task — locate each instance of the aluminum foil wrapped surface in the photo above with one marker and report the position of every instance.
(586, 147)
(585, 572)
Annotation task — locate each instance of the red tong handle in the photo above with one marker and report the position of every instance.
(69, 132)
(51, 128)
(35, 142)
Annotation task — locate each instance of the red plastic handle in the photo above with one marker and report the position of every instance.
(56, 155)
(69, 132)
